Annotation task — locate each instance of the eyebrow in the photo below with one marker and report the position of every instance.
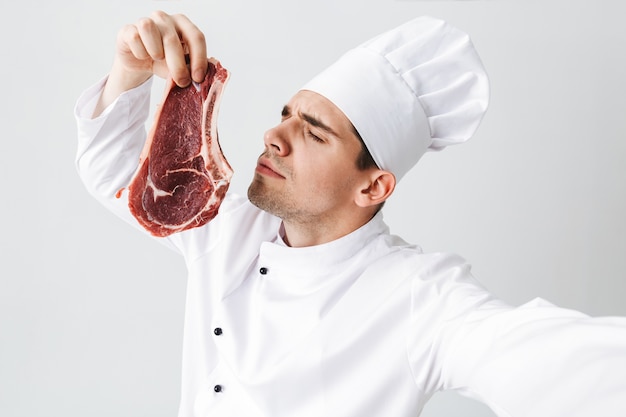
(312, 120)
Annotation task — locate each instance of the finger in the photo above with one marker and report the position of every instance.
(195, 44)
(150, 37)
(172, 49)
(129, 40)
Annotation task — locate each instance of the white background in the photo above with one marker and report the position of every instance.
(91, 311)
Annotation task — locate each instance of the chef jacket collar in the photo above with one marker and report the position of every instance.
(321, 259)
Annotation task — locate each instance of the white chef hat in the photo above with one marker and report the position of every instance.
(418, 87)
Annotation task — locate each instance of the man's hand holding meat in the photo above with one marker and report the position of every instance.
(159, 45)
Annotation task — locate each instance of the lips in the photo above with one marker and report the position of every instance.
(265, 167)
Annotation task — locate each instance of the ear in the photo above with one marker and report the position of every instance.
(378, 188)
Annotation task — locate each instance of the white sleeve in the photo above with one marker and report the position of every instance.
(110, 144)
(109, 147)
(538, 360)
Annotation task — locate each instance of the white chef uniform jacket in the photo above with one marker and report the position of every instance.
(366, 325)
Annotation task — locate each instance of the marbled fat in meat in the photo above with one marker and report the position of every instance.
(183, 175)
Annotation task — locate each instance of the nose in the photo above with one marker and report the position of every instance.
(276, 140)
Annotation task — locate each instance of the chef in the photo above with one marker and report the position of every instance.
(300, 302)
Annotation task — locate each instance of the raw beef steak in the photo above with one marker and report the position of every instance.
(182, 176)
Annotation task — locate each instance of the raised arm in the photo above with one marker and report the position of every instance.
(111, 114)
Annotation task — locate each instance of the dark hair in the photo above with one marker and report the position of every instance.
(364, 160)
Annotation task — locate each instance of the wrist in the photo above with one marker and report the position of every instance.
(121, 79)
(118, 82)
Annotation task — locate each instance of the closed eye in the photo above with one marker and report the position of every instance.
(285, 113)
(313, 136)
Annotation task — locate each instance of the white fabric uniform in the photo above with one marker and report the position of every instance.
(366, 325)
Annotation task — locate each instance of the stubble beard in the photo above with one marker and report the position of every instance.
(267, 199)
(260, 196)
(277, 203)
(264, 198)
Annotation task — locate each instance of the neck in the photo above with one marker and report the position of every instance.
(301, 234)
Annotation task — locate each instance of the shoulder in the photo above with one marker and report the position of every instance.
(418, 266)
(439, 285)
(441, 279)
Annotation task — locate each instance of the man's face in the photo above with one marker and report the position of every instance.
(308, 170)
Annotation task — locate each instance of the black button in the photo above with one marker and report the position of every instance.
(263, 270)
(217, 331)
(217, 388)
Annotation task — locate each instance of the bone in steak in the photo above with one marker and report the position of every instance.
(183, 175)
